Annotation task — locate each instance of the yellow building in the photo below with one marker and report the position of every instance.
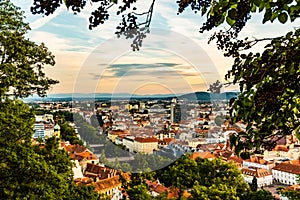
(57, 131)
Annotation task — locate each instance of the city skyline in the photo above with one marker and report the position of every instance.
(158, 68)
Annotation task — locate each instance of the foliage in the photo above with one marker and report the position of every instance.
(67, 132)
(87, 132)
(270, 99)
(215, 87)
(214, 192)
(245, 155)
(253, 184)
(139, 192)
(15, 115)
(208, 179)
(291, 194)
(27, 171)
(21, 60)
(259, 195)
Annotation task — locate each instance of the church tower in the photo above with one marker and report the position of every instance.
(57, 130)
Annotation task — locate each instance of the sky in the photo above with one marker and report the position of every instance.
(175, 58)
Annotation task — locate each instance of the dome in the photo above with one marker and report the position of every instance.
(56, 127)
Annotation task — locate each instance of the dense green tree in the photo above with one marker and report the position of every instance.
(16, 121)
(67, 133)
(214, 192)
(253, 184)
(291, 194)
(139, 192)
(213, 179)
(87, 132)
(28, 171)
(31, 171)
(260, 195)
(21, 60)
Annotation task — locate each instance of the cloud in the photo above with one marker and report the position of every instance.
(43, 20)
(120, 70)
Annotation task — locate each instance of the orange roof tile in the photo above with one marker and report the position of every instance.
(146, 140)
(257, 172)
(109, 183)
(202, 155)
(287, 167)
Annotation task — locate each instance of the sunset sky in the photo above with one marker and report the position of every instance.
(175, 57)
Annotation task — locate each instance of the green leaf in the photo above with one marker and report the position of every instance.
(261, 6)
(257, 2)
(253, 9)
(230, 21)
(267, 16)
(282, 17)
(232, 13)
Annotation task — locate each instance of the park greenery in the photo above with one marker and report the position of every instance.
(205, 179)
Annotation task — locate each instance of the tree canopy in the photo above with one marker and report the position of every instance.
(203, 178)
(21, 60)
(27, 171)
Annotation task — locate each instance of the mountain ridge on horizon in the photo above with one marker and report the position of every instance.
(201, 95)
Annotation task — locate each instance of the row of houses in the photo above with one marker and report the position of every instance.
(88, 171)
(266, 172)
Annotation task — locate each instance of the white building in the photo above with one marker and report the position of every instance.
(145, 145)
(128, 142)
(264, 177)
(286, 173)
(77, 170)
(39, 130)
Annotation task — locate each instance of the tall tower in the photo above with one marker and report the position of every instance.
(175, 111)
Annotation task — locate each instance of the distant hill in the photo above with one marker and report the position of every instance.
(197, 96)
(205, 96)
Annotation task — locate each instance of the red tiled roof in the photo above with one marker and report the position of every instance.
(168, 140)
(146, 140)
(257, 172)
(109, 183)
(101, 172)
(76, 148)
(236, 159)
(257, 159)
(157, 187)
(202, 155)
(287, 167)
(87, 155)
(294, 187)
(281, 148)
